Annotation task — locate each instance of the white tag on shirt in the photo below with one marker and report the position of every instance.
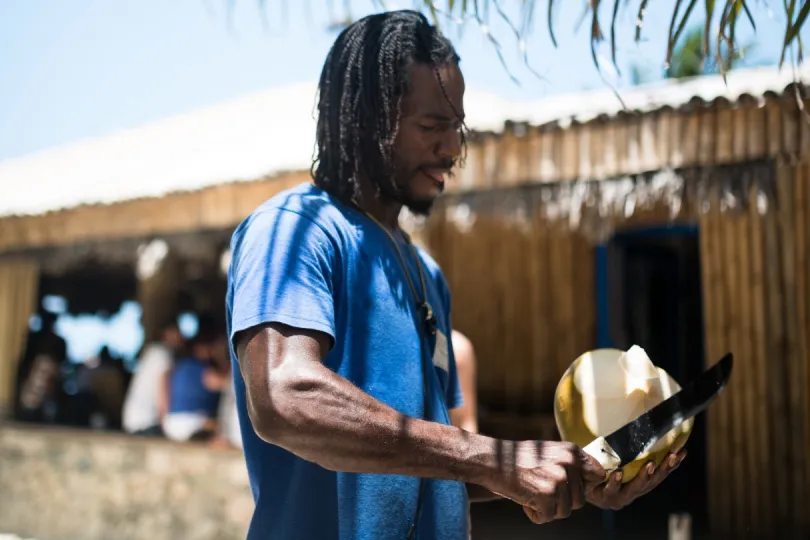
(441, 355)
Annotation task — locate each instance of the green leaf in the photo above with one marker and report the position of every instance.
(707, 27)
(613, 35)
(748, 13)
(432, 9)
(642, 8)
(789, 12)
(794, 29)
(684, 20)
(551, 22)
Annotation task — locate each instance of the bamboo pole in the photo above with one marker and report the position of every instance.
(801, 374)
(559, 296)
(736, 396)
(761, 349)
(538, 292)
(747, 350)
(717, 345)
(708, 272)
(793, 358)
(777, 382)
(805, 272)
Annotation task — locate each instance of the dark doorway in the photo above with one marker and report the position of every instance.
(649, 287)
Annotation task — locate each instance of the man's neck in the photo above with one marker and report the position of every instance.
(386, 213)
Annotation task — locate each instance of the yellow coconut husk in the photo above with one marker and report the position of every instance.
(598, 394)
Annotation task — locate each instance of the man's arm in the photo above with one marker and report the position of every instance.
(296, 402)
(164, 395)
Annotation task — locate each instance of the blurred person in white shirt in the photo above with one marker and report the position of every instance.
(465, 416)
(146, 401)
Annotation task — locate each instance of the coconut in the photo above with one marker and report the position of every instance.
(604, 389)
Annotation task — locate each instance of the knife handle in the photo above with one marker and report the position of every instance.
(600, 450)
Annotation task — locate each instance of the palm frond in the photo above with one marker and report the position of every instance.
(719, 44)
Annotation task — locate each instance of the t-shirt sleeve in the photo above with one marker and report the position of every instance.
(454, 396)
(282, 267)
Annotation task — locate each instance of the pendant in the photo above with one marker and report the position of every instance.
(430, 318)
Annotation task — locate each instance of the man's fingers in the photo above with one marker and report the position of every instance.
(533, 515)
(670, 463)
(592, 471)
(564, 503)
(642, 482)
(614, 485)
(576, 487)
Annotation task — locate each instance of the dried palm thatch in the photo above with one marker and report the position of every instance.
(604, 21)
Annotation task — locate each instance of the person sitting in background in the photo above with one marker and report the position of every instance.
(465, 416)
(38, 386)
(103, 378)
(229, 434)
(146, 400)
(195, 384)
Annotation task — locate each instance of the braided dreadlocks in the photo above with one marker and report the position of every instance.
(361, 87)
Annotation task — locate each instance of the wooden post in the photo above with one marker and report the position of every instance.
(19, 284)
(680, 527)
(159, 276)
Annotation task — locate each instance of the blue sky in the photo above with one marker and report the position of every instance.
(86, 68)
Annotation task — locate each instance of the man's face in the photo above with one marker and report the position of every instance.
(429, 139)
(172, 337)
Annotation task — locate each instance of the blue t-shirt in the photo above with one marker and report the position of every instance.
(187, 390)
(308, 261)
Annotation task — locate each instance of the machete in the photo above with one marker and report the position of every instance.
(637, 437)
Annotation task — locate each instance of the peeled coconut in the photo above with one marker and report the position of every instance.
(604, 389)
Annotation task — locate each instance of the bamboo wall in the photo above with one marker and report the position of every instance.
(756, 276)
(521, 268)
(522, 275)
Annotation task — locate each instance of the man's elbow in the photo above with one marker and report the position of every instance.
(280, 411)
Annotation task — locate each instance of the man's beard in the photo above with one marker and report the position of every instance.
(420, 207)
(396, 189)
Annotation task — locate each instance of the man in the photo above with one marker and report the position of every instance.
(194, 385)
(39, 379)
(466, 415)
(146, 399)
(344, 378)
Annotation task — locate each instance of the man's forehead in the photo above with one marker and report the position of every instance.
(428, 97)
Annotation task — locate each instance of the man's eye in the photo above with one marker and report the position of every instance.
(426, 127)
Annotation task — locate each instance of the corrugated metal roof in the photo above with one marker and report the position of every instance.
(273, 131)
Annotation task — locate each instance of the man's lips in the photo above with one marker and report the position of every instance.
(437, 175)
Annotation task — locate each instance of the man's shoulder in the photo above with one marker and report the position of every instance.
(432, 267)
(304, 201)
(155, 353)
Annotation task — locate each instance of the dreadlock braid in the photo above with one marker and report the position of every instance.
(361, 86)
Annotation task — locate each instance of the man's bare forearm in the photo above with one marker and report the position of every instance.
(321, 417)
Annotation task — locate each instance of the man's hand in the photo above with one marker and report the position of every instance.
(615, 496)
(550, 479)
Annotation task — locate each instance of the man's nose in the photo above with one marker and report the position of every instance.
(449, 145)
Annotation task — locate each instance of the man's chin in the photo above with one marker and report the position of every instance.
(420, 207)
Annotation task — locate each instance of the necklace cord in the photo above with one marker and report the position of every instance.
(423, 305)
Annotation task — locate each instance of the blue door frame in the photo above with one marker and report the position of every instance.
(603, 339)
